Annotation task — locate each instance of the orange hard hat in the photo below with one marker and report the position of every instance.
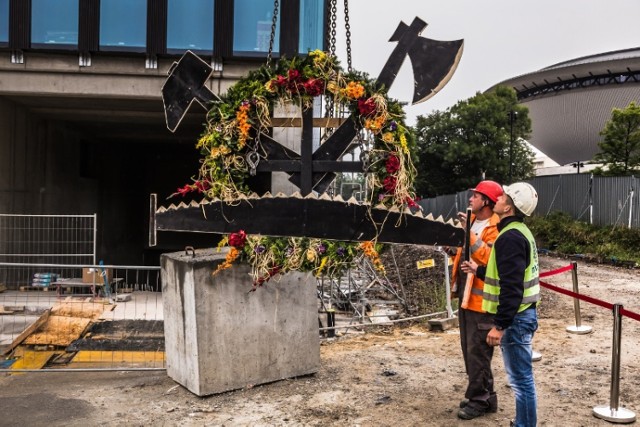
(491, 189)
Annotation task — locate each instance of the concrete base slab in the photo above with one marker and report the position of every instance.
(219, 336)
(443, 324)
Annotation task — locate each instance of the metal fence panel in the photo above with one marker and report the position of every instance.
(74, 325)
(563, 193)
(614, 201)
(44, 239)
(593, 199)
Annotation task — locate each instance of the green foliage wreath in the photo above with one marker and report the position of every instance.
(232, 131)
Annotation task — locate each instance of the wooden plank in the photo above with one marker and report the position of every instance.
(88, 356)
(34, 326)
(4, 310)
(81, 309)
(34, 288)
(59, 331)
(296, 122)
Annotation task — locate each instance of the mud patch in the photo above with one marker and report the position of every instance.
(122, 335)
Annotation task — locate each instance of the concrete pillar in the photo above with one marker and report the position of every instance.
(221, 337)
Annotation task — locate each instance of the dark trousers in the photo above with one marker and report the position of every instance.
(477, 354)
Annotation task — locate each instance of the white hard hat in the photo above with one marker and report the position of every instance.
(524, 196)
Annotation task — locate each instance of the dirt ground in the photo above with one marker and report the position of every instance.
(393, 376)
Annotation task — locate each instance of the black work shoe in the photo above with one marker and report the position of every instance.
(492, 401)
(470, 412)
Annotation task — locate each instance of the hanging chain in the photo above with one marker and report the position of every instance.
(347, 28)
(274, 21)
(332, 33)
(331, 42)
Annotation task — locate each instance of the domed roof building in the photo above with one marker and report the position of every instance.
(570, 102)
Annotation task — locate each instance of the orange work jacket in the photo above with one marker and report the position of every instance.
(480, 249)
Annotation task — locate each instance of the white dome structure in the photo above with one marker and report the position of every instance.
(570, 102)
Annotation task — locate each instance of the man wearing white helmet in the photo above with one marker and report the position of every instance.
(512, 291)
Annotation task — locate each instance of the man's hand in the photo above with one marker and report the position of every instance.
(494, 337)
(462, 216)
(469, 267)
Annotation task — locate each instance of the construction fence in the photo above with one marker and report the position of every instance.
(597, 200)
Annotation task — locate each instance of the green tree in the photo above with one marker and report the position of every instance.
(620, 146)
(472, 139)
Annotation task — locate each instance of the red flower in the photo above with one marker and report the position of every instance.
(412, 203)
(294, 75)
(202, 186)
(293, 81)
(393, 164)
(366, 107)
(272, 272)
(314, 87)
(280, 80)
(237, 240)
(184, 190)
(389, 184)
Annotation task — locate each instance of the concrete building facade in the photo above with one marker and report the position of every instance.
(570, 102)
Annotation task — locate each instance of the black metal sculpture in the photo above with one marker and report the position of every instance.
(433, 63)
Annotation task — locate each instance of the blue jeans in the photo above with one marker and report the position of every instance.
(516, 353)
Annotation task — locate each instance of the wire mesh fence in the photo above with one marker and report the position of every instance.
(44, 239)
(598, 200)
(102, 317)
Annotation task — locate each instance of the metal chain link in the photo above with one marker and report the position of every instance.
(331, 41)
(274, 22)
(347, 28)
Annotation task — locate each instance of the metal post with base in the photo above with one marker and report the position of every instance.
(613, 413)
(578, 328)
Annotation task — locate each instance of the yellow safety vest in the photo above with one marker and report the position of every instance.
(531, 280)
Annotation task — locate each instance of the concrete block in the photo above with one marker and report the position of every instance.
(221, 337)
(443, 324)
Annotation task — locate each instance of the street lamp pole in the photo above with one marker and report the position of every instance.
(512, 115)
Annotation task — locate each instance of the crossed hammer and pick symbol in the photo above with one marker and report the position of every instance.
(433, 63)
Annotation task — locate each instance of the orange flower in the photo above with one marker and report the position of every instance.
(242, 120)
(354, 90)
(370, 252)
(232, 255)
(375, 125)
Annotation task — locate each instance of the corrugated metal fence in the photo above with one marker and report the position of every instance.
(597, 200)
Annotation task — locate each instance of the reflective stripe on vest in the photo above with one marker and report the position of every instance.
(531, 294)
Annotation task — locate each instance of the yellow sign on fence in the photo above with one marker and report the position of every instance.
(425, 263)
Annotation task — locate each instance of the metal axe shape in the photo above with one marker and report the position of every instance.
(433, 62)
(185, 84)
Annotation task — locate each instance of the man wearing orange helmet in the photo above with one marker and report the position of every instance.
(475, 323)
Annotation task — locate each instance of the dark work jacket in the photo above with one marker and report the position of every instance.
(513, 254)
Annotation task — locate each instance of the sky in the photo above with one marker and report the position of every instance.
(502, 38)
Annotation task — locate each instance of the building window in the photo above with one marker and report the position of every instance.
(252, 27)
(54, 22)
(190, 25)
(123, 25)
(311, 19)
(4, 22)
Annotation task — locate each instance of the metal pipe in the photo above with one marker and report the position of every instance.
(614, 398)
(578, 328)
(630, 209)
(447, 284)
(67, 370)
(423, 316)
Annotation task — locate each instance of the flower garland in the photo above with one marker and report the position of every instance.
(232, 131)
(271, 256)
